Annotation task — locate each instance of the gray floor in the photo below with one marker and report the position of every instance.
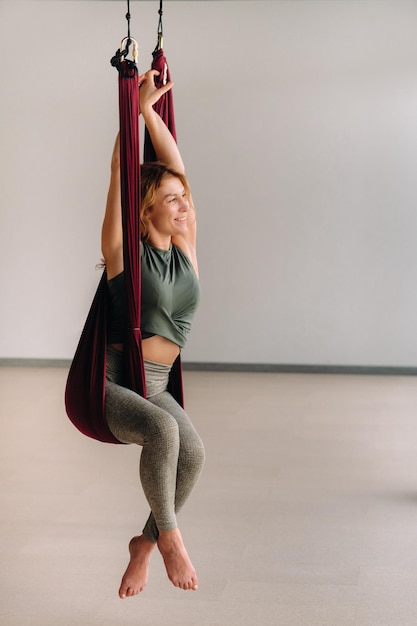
(306, 514)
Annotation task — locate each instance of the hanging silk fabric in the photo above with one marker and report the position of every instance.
(85, 388)
(86, 382)
(130, 196)
(165, 105)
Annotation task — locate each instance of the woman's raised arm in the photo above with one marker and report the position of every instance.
(165, 146)
(111, 233)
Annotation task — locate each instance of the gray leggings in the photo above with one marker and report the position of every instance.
(172, 452)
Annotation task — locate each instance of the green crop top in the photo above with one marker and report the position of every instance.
(170, 296)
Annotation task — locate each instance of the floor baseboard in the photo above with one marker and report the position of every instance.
(245, 367)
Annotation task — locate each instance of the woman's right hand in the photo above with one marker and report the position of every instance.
(149, 93)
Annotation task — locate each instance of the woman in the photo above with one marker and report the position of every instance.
(172, 452)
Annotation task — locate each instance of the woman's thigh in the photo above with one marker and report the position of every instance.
(126, 413)
(133, 419)
(167, 403)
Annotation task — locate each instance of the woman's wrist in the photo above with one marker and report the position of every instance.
(148, 112)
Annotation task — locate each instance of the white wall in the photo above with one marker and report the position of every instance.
(298, 124)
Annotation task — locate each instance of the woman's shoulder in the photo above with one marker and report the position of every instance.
(185, 251)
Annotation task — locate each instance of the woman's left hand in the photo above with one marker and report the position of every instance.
(149, 94)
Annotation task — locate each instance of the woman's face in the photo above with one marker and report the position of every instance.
(169, 213)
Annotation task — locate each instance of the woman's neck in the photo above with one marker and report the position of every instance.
(161, 242)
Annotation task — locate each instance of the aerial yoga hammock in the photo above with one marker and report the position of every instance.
(86, 382)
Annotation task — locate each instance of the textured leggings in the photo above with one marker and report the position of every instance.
(172, 452)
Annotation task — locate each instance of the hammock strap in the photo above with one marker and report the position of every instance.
(160, 42)
(128, 19)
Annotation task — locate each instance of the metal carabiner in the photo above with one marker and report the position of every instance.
(124, 48)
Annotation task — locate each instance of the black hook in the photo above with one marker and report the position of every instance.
(128, 19)
(160, 41)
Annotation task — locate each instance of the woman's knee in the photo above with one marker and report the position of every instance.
(192, 453)
(161, 429)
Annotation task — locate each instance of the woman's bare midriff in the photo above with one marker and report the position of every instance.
(157, 349)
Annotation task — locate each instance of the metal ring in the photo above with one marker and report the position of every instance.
(124, 47)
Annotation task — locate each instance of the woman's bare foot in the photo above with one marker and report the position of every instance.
(136, 574)
(177, 562)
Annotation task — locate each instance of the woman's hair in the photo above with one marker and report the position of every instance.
(151, 175)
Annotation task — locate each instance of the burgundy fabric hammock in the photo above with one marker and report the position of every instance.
(130, 196)
(86, 382)
(165, 105)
